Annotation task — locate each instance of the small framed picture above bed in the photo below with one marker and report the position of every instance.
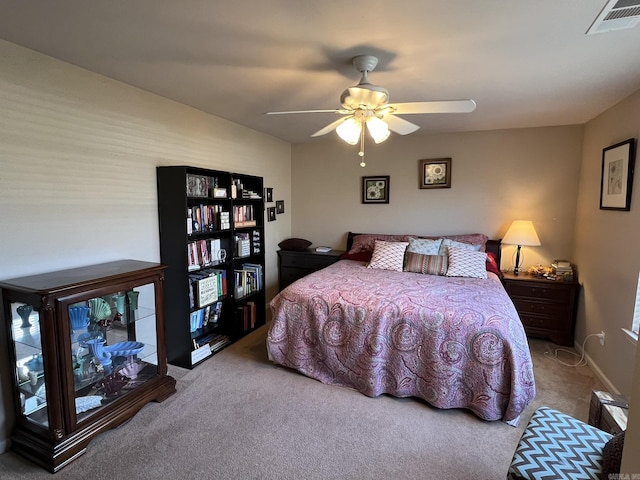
(435, 173)
(375, 189)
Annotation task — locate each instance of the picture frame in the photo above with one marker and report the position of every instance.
(435, 173)
(375, 189)
(618, 164)
(268, 194)
(279, 206)
(271, 214)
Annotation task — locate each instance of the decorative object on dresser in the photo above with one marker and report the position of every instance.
(435, 173)
(618, 162)
(520, 233)
(376, 324)
(215, 275)
(547, 308)
(295, 264)
(76, 378)
(375, 189)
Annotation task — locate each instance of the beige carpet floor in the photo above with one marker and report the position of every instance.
(238, 416)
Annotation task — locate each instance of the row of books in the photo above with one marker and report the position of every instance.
(207, 218)
(246, 314)
(203, 186)
(214, 341)
(248, 279)
(205, 253)
(207, 286)
(205, 316)
(244, 216)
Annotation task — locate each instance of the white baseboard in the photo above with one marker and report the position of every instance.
(598, 373)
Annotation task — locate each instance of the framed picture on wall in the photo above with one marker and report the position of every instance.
(375, 189)
(618, 163)
(435, 173)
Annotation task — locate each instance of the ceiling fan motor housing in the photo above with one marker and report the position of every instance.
(367, 96)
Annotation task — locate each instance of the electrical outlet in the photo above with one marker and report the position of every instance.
(601, 338)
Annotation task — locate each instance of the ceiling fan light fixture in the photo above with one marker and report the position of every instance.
(378, 129)
(349, 130)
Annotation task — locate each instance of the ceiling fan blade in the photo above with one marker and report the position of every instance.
(309, 111)
(442, 106)
(329, 128)
(400, 125)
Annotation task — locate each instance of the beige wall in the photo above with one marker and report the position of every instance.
(607, 249)
(78, 154)
(608, 252)
(497, 176)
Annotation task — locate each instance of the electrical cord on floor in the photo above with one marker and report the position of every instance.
(580, 363)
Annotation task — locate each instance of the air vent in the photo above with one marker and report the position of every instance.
(616, 15)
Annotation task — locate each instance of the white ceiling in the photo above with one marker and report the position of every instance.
(526, 63)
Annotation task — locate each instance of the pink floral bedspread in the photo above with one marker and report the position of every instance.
(453, 342)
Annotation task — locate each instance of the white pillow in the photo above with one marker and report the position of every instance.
(388, 255)
(424, 246)
(447, 242)
(464, 262)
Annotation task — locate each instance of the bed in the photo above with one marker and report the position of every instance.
(452, 341)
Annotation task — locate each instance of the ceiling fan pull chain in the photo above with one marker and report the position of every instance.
(361, 152)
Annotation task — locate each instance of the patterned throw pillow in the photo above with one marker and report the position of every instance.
(388, 255)
(424, 246)
(464, 262)
(427, 264)
(447, 242)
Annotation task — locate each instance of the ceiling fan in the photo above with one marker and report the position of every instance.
(367, 104)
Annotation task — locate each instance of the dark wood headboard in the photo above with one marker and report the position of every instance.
(492, 246)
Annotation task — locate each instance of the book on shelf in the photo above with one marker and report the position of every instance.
(206, 286)
(204, 218)
(244, 216)
(207, 290)
(246, 316)
(243, 244)
(202, 317)
(248, 279)
(255, 275)
(205, 253)
(214, 341)
(255, 242)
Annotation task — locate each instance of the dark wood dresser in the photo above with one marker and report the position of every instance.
(547, 308)
(293, 265)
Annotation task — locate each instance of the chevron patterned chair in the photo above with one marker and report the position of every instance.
(557, 446)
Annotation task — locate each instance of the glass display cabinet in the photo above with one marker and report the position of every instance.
(88, 345)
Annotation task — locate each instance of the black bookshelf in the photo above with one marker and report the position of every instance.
(212, 299)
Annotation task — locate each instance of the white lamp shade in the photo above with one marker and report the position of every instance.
(378, 129)
(349, 130)
(521, 232)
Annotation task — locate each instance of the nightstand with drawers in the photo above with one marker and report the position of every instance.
(293, 265)
(547, 308)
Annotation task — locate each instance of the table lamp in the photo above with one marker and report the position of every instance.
(521, 233)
